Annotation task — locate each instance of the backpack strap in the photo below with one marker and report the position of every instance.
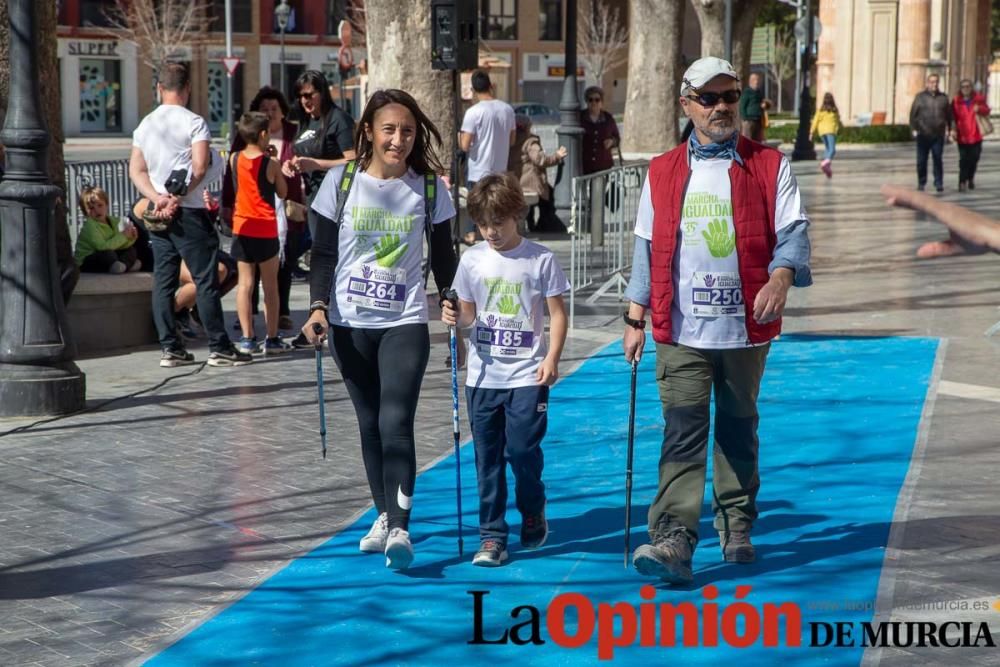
(430, 198)
(346, 181)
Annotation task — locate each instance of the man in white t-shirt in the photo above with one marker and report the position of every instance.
(488, 132)
(721, 235)
(171, 164)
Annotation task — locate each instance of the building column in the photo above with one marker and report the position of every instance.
(912, 53)
(826, 57)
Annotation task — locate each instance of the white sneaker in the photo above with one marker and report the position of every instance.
(374, 541)
(398, 550)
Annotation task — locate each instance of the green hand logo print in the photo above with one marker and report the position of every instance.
(508, 306)
(389, 250)
(721, 243)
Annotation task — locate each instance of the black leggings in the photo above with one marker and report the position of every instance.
(385, 410)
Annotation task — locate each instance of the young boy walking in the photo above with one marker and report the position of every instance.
(504, 285)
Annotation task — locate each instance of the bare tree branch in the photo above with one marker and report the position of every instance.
(602, 40)
(784, 59)
(159, 28)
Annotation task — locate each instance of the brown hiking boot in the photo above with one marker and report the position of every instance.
(736, 546)
(668, 557)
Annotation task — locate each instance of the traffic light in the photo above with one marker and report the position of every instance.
(454, 42)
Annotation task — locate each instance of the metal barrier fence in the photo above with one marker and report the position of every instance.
(112, 177)
(604, 207)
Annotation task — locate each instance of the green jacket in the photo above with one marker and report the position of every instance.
(96, 236)
(750, 104)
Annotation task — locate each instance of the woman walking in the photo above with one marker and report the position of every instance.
(968, 106)
(826, 123)
(367, 285)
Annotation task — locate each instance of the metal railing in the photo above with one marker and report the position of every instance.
(604, 208)
(112, 177)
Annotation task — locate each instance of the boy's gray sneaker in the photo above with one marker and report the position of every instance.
(668, 557)
(492, 553)
(534, 530)
(736, 546)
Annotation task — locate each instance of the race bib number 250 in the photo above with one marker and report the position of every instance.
(716, 295)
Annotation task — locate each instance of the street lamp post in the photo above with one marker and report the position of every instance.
(281, 13)
(37, 374)
(804, 149)
(570, 131)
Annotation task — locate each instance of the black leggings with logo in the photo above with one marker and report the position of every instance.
(383, 370)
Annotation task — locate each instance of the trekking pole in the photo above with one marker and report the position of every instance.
(452, 296)
(318, 329)
(628, 461)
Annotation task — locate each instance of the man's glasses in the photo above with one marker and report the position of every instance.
(593, 99)
(711, 99)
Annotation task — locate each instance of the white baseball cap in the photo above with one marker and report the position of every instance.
(704, 70)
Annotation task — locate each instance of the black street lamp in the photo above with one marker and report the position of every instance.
(570, 131)
(281, 13)
(37, 374)
(804, 149)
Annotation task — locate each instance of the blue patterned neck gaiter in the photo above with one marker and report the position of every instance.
(724, 151)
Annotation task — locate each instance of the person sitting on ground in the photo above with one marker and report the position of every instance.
(530, 168)
(970, 233)
(105, 243)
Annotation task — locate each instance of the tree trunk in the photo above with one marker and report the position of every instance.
(399, 48)
(712, 19)
(654, 75)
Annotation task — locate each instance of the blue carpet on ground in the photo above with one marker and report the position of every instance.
(839, 418)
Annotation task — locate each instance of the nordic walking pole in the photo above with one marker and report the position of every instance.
(628, 461)
(318, 329)
(452, 296)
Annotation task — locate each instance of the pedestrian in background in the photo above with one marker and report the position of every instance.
(826, 123)
(105, 244)
(488, 132)
(931, 122)
(530, 166)
(600, 133)
(752, 110)
(967, 108)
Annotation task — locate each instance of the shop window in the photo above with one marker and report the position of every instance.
(550, 20)
(292, 72)
(336, 11)
(94, 13)
(499, 19)
(242, 16)
(217, 95)
(100, 95)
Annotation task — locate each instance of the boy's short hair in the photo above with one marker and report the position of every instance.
(251, 124)
(90, 195)
(496, 198)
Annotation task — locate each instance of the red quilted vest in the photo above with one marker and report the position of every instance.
(754, 189)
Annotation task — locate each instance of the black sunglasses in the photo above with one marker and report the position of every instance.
(305, 95)
(711, 99)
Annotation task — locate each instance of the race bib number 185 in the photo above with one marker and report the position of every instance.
(501, 336)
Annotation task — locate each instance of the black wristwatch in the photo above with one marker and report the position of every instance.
(635, 324)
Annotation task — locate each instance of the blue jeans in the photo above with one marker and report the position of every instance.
(192, 237)
(830, 141)
(508, 425)
(934, 146)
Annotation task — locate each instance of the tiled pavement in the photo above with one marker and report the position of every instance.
(120, 528)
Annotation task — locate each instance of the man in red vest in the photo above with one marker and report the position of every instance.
(721, 235)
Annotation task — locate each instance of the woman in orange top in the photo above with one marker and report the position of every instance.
(257, 180)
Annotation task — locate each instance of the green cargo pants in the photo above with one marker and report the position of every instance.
(686, 377)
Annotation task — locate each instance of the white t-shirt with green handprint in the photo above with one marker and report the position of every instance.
(507, 340)
(379, 282)
(708, 310)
